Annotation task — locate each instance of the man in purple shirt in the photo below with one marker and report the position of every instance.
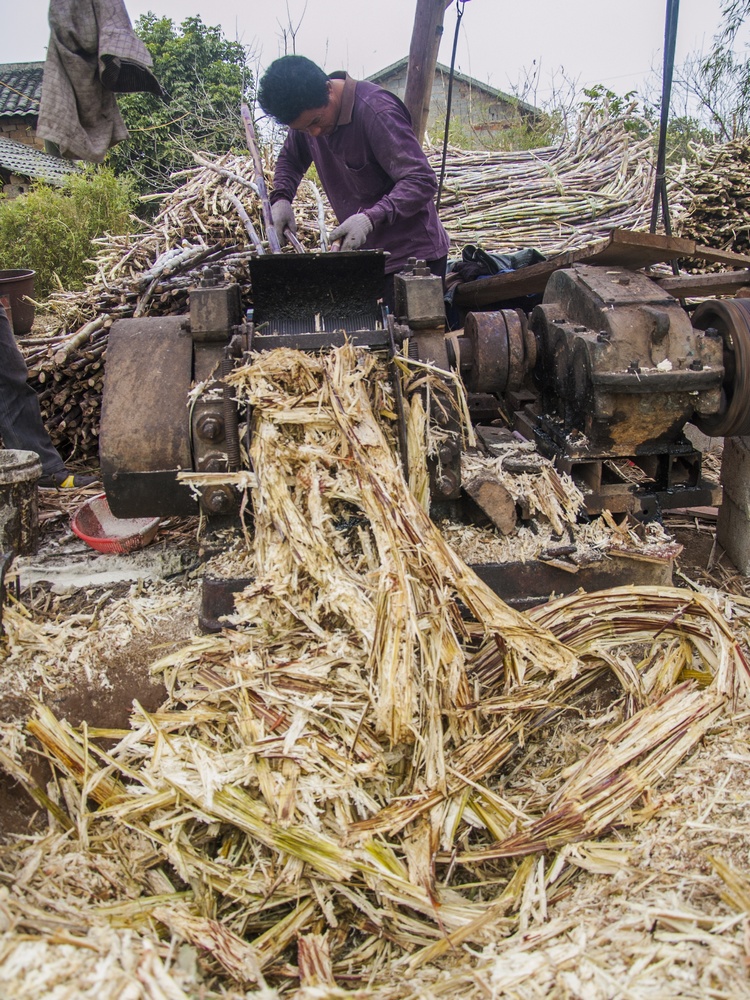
(368, 158)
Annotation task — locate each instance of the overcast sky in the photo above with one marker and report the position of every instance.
(614, 42)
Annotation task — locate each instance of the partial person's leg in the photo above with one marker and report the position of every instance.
(21, 425)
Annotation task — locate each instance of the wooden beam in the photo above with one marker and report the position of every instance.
(627, 248)
(423, 52)
(622, 248)
(728, 257)
(696, 286)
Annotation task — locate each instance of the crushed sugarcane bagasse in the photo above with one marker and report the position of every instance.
(383, 781)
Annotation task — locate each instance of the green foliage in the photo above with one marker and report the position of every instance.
(733, 14)
(721, 86)
(50, 229)
(711, 94)
(206, 78)
(608, 104)
(684, 134)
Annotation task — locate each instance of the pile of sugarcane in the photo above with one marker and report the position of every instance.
(551, 199)
(331, 798)
(214, 216)
(711, 194)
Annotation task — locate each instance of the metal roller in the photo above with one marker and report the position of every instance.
(517, 360)
(144, 440)
(488, 335)
(729, 319)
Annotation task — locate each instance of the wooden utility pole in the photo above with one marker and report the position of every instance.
(425, 42)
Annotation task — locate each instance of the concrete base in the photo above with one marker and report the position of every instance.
(71, 565)
(733, 524)
(735, 472)
(733, 534)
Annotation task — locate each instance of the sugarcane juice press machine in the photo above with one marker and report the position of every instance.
(607, 369)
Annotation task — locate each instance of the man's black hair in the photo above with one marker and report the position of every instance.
(290, 86)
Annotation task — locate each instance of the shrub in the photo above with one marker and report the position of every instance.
(50, 229)
(206, 78)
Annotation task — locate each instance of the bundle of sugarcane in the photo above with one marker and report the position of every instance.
(325, 799)
(214, 217)
(710, 194)
(551, 199)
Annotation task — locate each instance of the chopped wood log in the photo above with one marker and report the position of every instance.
(496, 502)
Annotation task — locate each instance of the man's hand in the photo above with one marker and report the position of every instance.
(352, 232)
(283, 218)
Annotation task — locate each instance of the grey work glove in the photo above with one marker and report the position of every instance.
(283, 218)
(352, 232)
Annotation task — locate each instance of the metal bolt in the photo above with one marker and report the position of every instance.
(603, 337)
(447, 483)
(634, 367)
(210, 427)
(697, 365)
(217, 501)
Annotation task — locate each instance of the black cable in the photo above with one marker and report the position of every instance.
(660, 185)
(459, 14)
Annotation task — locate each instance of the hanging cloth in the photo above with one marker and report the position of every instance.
(93, 53)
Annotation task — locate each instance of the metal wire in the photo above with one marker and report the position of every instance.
(660, 184)
(459, 14)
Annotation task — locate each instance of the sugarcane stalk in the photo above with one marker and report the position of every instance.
(246, 221)
(260, 180)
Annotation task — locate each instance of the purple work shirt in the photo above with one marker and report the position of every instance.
(373, 163)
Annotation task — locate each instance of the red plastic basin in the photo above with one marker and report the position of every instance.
(95, 524)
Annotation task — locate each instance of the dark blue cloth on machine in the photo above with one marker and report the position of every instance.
(475, 264)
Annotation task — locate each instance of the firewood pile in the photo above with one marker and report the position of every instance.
(711, 196)
(384, 782)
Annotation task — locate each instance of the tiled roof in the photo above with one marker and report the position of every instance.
(20, 88)
(26, 161)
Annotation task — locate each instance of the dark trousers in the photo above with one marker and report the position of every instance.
(436, 267)
(21, 426)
